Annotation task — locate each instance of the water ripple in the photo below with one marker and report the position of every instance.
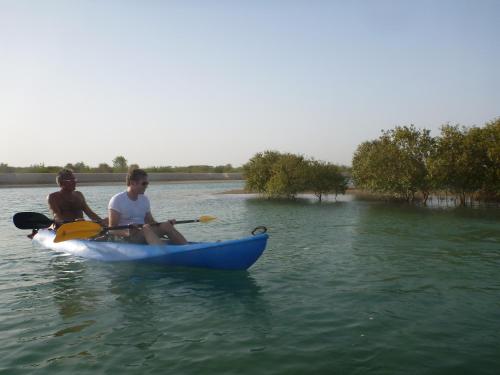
(344, 287)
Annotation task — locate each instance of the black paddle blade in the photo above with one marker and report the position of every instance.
(31, 220)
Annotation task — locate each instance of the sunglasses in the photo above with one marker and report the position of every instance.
(145, 183)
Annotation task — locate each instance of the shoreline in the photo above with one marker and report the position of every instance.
(19, 180)
(116, 183)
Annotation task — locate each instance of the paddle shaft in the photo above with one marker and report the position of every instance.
(88, 229)
(129, 226)
(35, 220)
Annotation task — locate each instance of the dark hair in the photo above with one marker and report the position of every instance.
(63, 174)
(135, 174)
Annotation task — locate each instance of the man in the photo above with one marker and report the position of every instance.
(132, 207)
(67, 204)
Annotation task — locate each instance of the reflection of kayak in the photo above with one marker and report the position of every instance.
(237, 254)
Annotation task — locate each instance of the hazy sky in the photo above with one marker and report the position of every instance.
(214, 82)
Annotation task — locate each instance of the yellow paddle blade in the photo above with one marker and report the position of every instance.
(206, 218)
(78, 229)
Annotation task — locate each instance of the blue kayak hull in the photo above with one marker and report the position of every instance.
(237, 254)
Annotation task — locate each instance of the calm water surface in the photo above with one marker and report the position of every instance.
(344, 287)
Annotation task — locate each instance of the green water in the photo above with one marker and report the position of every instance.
(344, 287)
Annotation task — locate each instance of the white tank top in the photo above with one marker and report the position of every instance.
(131, 212)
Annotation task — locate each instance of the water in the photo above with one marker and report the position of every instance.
(344, 287)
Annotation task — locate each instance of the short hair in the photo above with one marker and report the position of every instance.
(135, 174)
(63, 174)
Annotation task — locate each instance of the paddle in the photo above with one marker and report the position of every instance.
(88, 229)
(31, 220)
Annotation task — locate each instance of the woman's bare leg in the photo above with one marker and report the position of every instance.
(173, 234)
(150, 235)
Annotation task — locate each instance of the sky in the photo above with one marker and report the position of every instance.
(214, 82)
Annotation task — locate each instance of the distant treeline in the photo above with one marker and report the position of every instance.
(407, 163)
(119, 165)
(278, 175)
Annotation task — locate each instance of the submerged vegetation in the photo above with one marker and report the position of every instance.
(278, 175)
(408, 164)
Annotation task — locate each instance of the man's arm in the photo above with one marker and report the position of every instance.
(91, 214)
(54, 207)
(114, 220)
(114, 217)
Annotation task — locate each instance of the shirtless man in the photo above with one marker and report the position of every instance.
(132, 207)
(68, 204)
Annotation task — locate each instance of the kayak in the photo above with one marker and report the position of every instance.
(238, 254)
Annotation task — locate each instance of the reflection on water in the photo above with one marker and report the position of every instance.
(133, 282)
(71, 292)
(75, 328)
(207, 289)
(149, 309)
(136, 276)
